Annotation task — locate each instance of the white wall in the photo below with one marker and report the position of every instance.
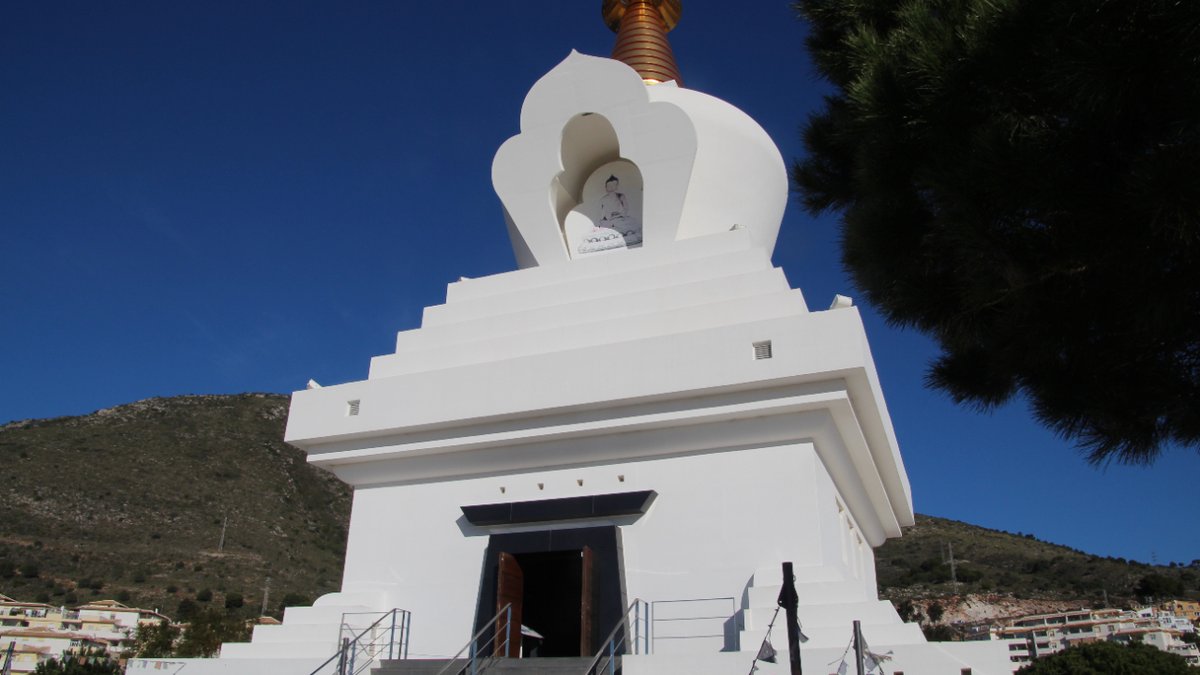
(719, 516)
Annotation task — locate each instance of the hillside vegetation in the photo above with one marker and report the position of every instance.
(130, 502)
(994, 562)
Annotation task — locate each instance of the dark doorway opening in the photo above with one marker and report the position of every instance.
(553, 583)
(563, 584)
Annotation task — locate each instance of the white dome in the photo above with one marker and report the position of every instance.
(706, 166)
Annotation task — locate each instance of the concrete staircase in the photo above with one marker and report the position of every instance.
(827, 611)
(534, 666)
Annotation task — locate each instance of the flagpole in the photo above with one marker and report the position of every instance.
(790, 601)
(858, 648)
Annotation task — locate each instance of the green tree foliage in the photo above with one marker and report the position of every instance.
(1158, 586)
(1017, 179)
(234, 600)
(208, 629)
(187, 609)
(939, 633)
(88, 663)
(156, 640)
(1108, 658)
(936, 612)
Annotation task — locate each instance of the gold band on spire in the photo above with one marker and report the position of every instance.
(641, 27)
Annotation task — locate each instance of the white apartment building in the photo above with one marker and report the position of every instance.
(1038, 635)
(40, 632)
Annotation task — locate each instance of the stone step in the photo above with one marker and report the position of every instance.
(532, 666)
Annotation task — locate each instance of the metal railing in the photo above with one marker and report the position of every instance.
(692, 618)
(481, 655)
(386, 637)
(631, 635)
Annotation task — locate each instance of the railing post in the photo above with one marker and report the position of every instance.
(637, 627)
(612, 657)
(649, 628)
(407, 630)
(342, 656)
(508, 631)
(392, 639)
(473, 660)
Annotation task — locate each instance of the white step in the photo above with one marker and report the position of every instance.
(877, 612)
(283, 666)
(328, 614)
(325, 633)
(829, 637)
(276, 650)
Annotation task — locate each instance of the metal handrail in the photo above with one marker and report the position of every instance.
(473, 647)
(611, 647)
(393, 644)
(659, 619)
(348, 651)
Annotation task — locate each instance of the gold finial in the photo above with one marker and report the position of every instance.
(641, 27)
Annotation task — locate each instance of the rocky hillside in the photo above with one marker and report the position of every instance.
(130, 503)
(1018, 567)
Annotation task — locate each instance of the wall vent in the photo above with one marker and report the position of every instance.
(352, 407)
(762, 350)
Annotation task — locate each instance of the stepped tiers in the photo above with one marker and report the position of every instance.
(657, 426)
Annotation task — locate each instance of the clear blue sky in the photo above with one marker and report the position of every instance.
(229, 196)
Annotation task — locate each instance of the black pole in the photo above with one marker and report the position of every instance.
(858, 648)
(789, 600)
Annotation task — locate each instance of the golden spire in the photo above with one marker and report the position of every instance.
(641, 27)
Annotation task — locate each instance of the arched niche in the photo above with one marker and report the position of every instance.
(598, 195)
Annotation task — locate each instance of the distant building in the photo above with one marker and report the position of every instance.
(1037, 635)
(42, 632)
(40, 644)
(113, 621)
(1187, 609)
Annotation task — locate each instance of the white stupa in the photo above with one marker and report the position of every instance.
(645, 410)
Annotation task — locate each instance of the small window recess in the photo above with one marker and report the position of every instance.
(762, 350)
(352, 407)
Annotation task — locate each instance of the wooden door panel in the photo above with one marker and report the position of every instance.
(585, 604)
(510, 590)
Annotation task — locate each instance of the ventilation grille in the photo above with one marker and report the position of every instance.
(762, 350)
(352, 408)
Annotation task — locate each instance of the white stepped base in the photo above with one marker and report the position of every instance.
(810, 594)
(307, 638)
(322, 614)
(877, 612)
(935, 658)
(834, 637)
(306, 632)
(285, 666)
(309, 633)
(322, 649)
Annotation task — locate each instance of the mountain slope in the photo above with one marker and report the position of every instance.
(133, 500)
(995, 562)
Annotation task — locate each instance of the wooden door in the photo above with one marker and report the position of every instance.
(510, 590)
(585, 604)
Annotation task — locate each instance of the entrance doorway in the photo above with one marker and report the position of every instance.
(550, 595)
(563, 585)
